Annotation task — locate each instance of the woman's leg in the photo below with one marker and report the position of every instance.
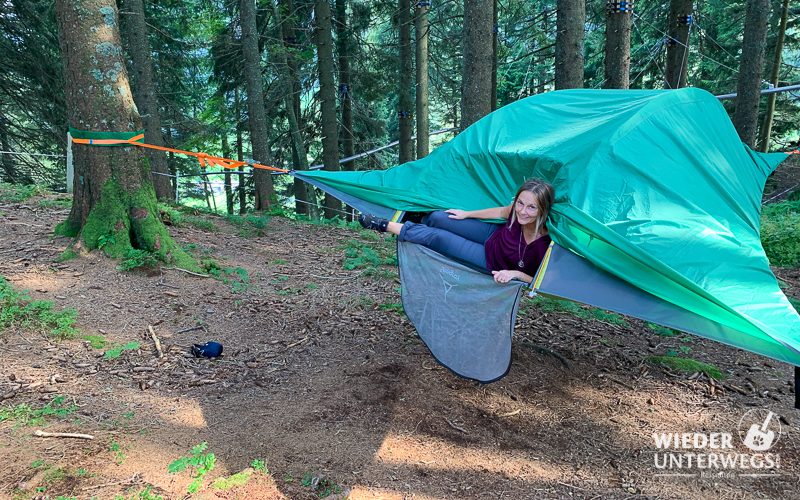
(471, 229)
(444, 242)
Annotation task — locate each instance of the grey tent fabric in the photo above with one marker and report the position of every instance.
(462, 315)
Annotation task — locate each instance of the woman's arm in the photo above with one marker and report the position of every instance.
(507, 275)
(486, 213)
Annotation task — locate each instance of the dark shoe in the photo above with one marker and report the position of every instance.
(369, 221)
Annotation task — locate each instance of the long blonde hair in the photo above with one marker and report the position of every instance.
(544, 194)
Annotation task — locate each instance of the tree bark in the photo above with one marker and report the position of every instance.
(618, 45)
(422, 115)
(570, 22)
(327, 93)
(404, 115)
(495, 28)
(678, 27)
(344, 49)
(144, 93)
(766, 127)
(748, 95)
(237, 111)
(114, 204)
(476, 78)
(226, 151)
(256, 115)
(9, 174)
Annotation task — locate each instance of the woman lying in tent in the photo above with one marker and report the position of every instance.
(512, 250)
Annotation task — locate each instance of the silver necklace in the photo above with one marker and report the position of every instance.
(521, 251)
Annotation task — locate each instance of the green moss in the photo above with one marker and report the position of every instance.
(66, 255)
(67, 229)
(687, 365)
(662, 330)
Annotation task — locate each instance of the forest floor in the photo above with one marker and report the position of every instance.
(325, 382)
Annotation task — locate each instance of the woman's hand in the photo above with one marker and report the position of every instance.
(505, 276)
(457, 214)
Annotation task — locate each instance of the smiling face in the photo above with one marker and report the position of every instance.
(526, 208)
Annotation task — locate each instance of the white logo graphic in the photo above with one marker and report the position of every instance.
(447, 285)
(755, 431)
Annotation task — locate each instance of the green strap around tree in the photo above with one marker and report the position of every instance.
(122, 136)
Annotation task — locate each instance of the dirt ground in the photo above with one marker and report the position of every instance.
(326, 382)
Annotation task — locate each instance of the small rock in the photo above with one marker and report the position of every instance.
(651, 401)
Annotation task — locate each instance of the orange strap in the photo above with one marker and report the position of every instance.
(795, 152)
(206, 160)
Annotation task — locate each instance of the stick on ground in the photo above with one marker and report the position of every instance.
(44, 434)
(155, 341)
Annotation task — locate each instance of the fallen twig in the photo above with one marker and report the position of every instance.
(156, 341)
(133, 479)
(454, 426)
(39, 433)
(191, 329)
(296, 343)
(510, 414)
(188, 272)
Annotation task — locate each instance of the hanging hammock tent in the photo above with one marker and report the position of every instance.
(656, 215)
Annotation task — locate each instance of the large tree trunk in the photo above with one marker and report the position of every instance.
(679, 22)
(748, 93)
(766, 127)
(344, 49)
(114, 203)
(327, 93)
(404, 116)
(226, 152)
(618, 45)
(285, 17)
(144, 93)
(256, 115)
(422, 115)
(495, 28)
(239, 151)
(570, 25)
(476, 78)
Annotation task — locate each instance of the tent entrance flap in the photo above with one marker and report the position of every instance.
(572, 277)
(462, 315)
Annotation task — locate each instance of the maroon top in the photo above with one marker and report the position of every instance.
(506, 246)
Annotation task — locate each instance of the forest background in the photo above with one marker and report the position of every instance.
(189, 73)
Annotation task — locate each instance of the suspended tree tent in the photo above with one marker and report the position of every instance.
(656, 216)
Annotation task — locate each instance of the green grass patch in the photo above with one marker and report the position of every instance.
(249, 225)
(662, 331)
(322, 486)
(58, 203)
(115, 448)
(198, 462)
(780, 232)
(687, 365)
(145, 493)
(169, 215)
(24, 414)
(117, 350)
(553, 305)
(235, 277)
(201, 223)
(259, 465)
(393, 306)
(96, 341)
(232, 481)
(369, 256)
(17, 193)
(17, 309)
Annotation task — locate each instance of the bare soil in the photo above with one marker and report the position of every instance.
(326, 382)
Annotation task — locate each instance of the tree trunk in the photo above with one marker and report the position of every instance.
(748, 93)
(256, 115)
(327, 93)
(766, 127)
(239, 151)
(422, 115)
(404, 115)
(286, 20)
(114, 204)
(476, 78)
(8, 160)
(495, 28)
(679, 22)
(343, 45)
(301, 157)
(570, 25)
(226, 151)
(618, 45)
(144, 93)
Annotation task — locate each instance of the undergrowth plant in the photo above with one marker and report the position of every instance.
(199, 464)
(136, 258)
(116, 351)
(18, 310)
(24, 414)
(552, 305)
(236, 277)
(686, 365)
(16, 193)
(780, 232)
